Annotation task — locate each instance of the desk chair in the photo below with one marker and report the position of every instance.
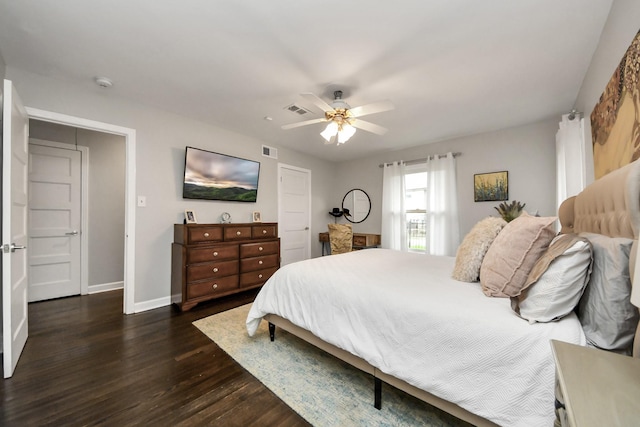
(340, 238)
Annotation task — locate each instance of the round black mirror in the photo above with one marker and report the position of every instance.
(358, 204)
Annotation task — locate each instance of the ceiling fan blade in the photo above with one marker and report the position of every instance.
(317, 102)
(368, 126)
(307, 122)
(376, 107)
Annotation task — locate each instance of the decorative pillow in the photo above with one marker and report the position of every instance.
(557, 280)
(608, 318)
(513, 253)
(473, 248)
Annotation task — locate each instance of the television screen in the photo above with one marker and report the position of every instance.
(215, 176)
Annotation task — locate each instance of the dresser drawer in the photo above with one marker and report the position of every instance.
(211, 270)
(237, 233)
(212, 287)
(257, 249)
(264, 231)
(204, 234)
(258, 263)
(256, 277)
(212, 253)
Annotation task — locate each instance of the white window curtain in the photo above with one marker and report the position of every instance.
(394, 218)
(442, 205)
(570, 158)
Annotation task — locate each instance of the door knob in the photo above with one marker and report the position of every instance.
(12, 247)
(72, 233)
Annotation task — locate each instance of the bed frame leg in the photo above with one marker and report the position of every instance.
(272, 331)
(377, 400)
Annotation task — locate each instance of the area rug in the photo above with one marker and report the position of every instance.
(321, 388)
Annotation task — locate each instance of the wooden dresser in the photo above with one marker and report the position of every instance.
(213, 260)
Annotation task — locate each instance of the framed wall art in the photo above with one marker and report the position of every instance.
(614, 120)
(491, 187)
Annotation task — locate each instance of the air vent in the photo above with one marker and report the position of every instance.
(269, 152)
(297, 109)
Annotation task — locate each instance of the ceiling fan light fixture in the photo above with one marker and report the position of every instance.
(345, 133)
(330, 131)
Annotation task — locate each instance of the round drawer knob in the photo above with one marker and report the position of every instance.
(259, 276)
(215, 286)
(264, 231)
(215, 254)
(260, 262)
(206, 234)
(238, 233)
(260, 248)
(215, 269)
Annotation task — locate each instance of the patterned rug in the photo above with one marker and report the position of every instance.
(322, 389)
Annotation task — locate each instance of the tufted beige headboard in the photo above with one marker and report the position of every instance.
(610, 206)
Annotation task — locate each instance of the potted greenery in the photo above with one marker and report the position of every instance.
(510, 211)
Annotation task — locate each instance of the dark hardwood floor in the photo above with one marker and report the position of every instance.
(86, 363)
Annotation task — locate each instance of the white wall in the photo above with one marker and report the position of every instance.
(526, 152)
(106, 196)
(3, 68)
(621, 27)
(161, 138)
(106, 206)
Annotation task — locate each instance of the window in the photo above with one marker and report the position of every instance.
(416, 209)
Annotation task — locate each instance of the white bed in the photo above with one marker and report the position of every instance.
(383, 311)
(402, 318)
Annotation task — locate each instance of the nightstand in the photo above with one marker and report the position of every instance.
(595, 387)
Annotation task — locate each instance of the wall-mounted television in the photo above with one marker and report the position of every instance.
(215, 176)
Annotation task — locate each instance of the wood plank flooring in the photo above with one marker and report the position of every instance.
(86, 363)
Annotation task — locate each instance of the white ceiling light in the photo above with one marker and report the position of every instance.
(103, 82)
(330, 131)
(345, 133)
(343, 130)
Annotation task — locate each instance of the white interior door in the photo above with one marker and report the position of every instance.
(294, 206)
(54, 222)
(15, 135)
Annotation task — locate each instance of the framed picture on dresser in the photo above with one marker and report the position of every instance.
(190, 217)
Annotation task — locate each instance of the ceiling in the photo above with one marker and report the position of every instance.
(451, 67)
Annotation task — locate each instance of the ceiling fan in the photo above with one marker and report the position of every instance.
(343, 120)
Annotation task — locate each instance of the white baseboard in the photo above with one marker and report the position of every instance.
(105, 287)
(150, 305)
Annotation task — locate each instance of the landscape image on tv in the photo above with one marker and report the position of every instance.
(214, 176)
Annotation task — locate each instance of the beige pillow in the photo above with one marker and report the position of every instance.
(513, 254)
(473, 248)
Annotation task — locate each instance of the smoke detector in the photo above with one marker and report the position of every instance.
(104, 82)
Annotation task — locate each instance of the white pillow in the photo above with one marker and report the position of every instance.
(558, 290)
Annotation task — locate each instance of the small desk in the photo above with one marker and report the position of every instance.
(596, 387)
(360, 240)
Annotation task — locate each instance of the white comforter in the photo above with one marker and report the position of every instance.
(403, 314)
